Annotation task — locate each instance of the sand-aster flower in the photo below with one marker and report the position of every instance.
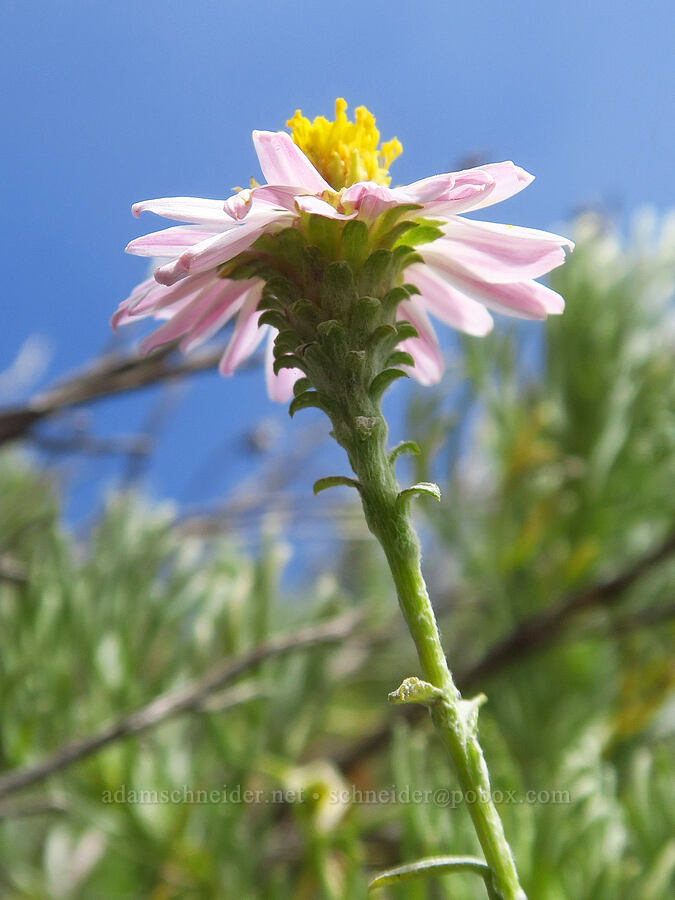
(338, 170)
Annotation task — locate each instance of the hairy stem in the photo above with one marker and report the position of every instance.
(363, 434)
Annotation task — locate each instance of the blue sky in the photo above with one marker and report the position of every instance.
(107, 103)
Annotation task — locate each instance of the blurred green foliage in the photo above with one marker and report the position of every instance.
(556, 464)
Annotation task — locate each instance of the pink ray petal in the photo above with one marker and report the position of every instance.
(448, 304)
(122, 314)
(496, 233)
(183, 320)
(427, 189)
(283, 162)
(219, 249)
(318, 207)
(246, 336)
(525, 300)
(509, 180)
(165, 301)
(153, 299)
(371, 199)
(497, 260)
(424, 349)
(239, 205)
(170, 242)
(227, 301)
(185, 209)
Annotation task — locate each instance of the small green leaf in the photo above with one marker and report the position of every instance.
(355, 362)
(404, 256)
(317, 357)
(270, 301)
(365, 312)
(305, 312)
(302, 385)
(404, 447)
(323, 233)
(396, 234)
(288, 361)
(390, 217)
(338, 291)
(421, 233)
(414, 690)
(313, 263)
(334, 481)
(395, 296)
(275, 318)
(307, 400)
(381, 382)
(376, 273)
(434, 867)
(332, 331)
(382, 334)
(281, 288)
(468, 711)
(424, 487)
(405, 331)
(286, 341)
(400, 358)
(355, 243)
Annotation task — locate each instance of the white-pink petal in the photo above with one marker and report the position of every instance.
(151, 298)
(185, 209)
(170, 242)
(497, 261)
(424, 349)
(370, 199)
(280, 195)
(163, 302)
(246, 336)
(183, 320)
(448, 304)
(219, 249)
(283, 162)
(226, 301)
(318, 207)
(525, 300)
(427, 189)
(509, 180)
(496, 233)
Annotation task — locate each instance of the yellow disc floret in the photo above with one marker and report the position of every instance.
(345, 152)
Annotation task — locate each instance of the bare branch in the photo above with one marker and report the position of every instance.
(189, 698)
(12, 570)
(531, 635)
(544, 627)
(107, 376)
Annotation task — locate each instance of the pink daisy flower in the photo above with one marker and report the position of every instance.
(338, 170)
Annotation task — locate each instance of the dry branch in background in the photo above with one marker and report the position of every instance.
(166, 706)
(107, 376)
(532, 634)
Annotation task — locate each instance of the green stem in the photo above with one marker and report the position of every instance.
(388, 517)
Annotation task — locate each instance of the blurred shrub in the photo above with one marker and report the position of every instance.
(556, 461)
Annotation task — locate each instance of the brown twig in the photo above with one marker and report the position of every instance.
(166, 706)
(12, 570)
(529, 636)
(542, 628)
(108, 376)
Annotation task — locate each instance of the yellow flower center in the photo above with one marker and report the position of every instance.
(345, 152)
